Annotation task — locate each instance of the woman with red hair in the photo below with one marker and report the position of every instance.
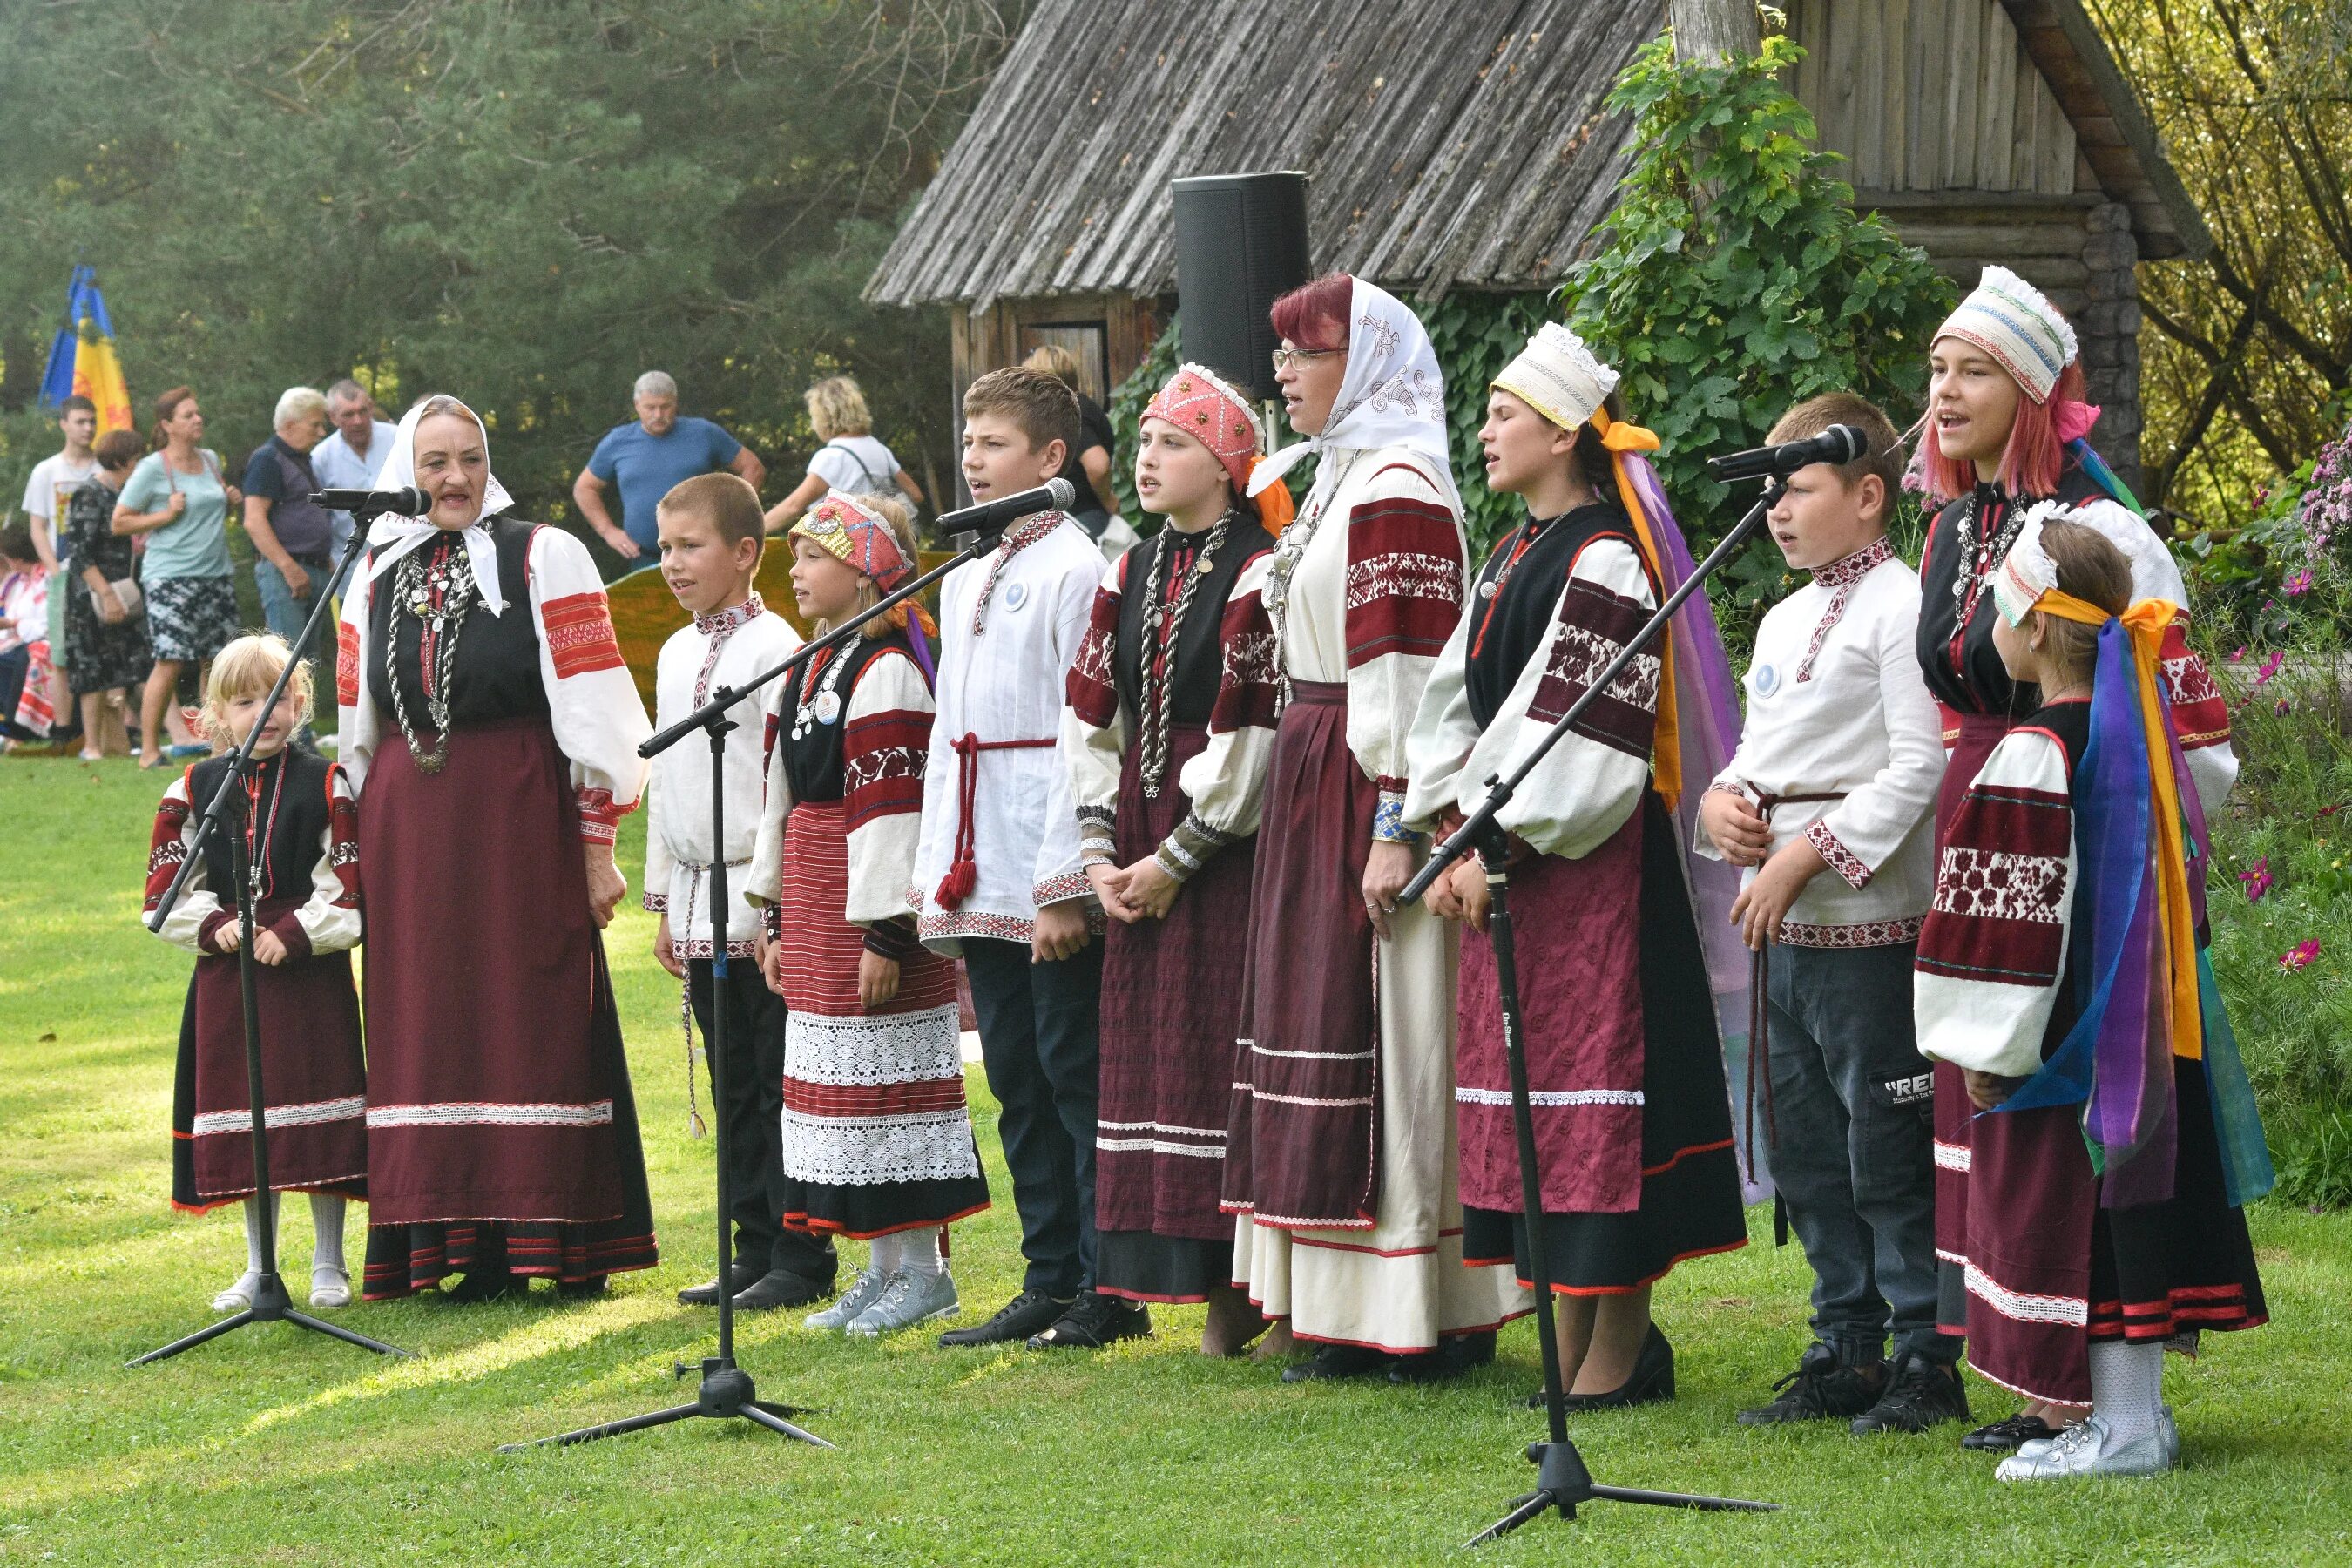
(2005, 430)
(1340, 1158)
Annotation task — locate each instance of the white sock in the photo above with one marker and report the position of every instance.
(253, 1232)
(887, 1254)
(327, 1232)
(918, 1252)
(2128, 1387)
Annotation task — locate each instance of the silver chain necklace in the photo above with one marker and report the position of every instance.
(435, 596)
(1287, 552)
(1158, 696)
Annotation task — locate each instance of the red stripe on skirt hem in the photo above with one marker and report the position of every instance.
(806, 1226)
(1680, 1257)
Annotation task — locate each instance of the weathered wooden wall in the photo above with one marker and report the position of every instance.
(1933, 95)
(989, 337)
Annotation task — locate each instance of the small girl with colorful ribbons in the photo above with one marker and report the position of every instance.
(2115, 1138)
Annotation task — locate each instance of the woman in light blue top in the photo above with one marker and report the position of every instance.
(178, 497)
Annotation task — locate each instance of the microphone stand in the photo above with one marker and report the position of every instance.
(1561, 1479)
(226, 811)
(726, 1391)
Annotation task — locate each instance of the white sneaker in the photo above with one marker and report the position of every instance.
(2089, 1449)
(239, 1296)
(860, 1295)
(2171, 1432)
(329, 1288)
(907, 1300)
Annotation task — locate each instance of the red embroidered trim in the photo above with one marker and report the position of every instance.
(1092, 687)
(1841, 859)
(1867, 933)
(600, 815)
(1841, 577)
(579, 639)
(347, 664)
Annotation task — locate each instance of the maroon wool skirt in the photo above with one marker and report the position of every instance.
(500, 1123)
(1170, 1013)
(1979, 733)
(1302, 1132)
(313, 1080)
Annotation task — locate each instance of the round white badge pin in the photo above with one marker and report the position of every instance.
(827, 706)
(1015, 595)
(1766, 680)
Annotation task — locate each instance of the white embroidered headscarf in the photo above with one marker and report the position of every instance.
(1392, 396)
(394, 537)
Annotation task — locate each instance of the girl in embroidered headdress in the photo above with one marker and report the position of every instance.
(2114, 1136)
(1632, 1120)
(2006, 427)
(1340, 1158)
(877, 1142)
(1169, 725)
(304, 849)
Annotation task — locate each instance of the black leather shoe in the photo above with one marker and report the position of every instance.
(1920, 1394)
(777, 1288)
(2009, 1433)
(486, 1285)
(1652, 1383)
(1333, 1362)
(1821, 1389)
(596, 1288)
(1450, 1360)
(1092, 1322)
(743, 1276)
(1030, 1312)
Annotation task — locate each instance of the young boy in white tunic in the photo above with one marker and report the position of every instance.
(709, 542)
(1828, 802)
(999, 879)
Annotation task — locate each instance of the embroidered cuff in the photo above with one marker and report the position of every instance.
(1734, 787)
(772, 919)
(1061, 889)
(600, 815)
(1188, 848)
(656, 903)
(290, 931)
(1097, 835)
(1841, 860)
(893, 939)
(1387, 821)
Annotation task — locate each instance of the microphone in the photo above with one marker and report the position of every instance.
(374, 503)
(990, 517)
(1838, 443)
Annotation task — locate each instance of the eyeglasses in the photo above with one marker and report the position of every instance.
(1284, 358)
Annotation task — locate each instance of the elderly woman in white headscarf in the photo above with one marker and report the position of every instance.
(1340, 1157)
(491, 729)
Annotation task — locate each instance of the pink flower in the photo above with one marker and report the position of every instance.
(2269, 668)
(2299, 583)
(2240, 656)
(2299, 956)
(2258, 882)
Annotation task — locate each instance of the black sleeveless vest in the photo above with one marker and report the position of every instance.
(289, 824)
(497, 674)
(813, 759)
(1200, 648)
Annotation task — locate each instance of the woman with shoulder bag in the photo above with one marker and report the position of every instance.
(178, 497)
(106, 620)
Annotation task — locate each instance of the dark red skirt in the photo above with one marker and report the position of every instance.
(1602, 943)
(1302, 1142)
(1979, 733)
(1170, 1013)
(500, 1123)
(313, 1077)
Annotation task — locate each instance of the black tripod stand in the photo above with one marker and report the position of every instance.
(226, 811)
(1561, 1479)
(727, 1389)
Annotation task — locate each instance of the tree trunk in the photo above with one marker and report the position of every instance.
(1710, 30)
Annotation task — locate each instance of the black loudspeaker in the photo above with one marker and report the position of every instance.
(1241, 241)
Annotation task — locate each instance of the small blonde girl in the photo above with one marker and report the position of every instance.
(301, 837)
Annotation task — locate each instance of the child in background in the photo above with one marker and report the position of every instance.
(303, 836)
(24, 634)
(2114, 1140)
(1836, 773)
(877, 1140)
(708, 535)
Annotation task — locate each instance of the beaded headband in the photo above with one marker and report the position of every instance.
(842, 528)
(1206, 407)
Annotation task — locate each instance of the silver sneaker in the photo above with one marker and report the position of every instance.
(909, 1298)
(2089, 1449)
(861, 1294)
(2171, 1432)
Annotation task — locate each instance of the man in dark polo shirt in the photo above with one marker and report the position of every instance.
(293, 539)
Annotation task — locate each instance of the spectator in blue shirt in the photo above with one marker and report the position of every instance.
(646, 458)
(350, 458)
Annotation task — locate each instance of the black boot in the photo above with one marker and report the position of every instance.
(741, 1276)
(1920, 1394)
(1092, 1322)
(776, 1289)
(1030, 1312)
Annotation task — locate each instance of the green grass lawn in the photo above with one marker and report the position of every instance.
(268, 1447)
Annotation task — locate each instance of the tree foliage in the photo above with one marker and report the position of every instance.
(1733, 278)
(2250, 352)
(524, 203)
